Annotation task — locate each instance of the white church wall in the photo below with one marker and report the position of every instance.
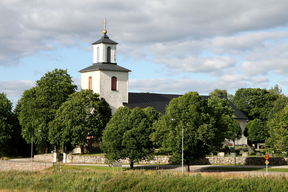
(115, 98)
(95, 81)
(243, 139)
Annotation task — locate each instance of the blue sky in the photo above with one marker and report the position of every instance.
(173, 46)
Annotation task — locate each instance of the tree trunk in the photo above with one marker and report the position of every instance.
(46, 148)
(131, 164)
(55, 149)
(187, 167)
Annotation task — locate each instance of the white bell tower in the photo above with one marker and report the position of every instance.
(105, 77)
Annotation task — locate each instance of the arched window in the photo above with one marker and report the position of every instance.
(98, 55)
(90, 83)
(108, 54)
(113, 83)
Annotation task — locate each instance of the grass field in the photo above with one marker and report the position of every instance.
(93, 178)
(246, 169)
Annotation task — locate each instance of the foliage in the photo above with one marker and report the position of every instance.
(127, 134)
(278, 105)
(205, 123)
(39, 104)
(76, 179)
(278, 131)
(225, 117)
(255, 103)
(257, 131)
(221, 92)
(276, 90)
(84, 113)
(6, 124)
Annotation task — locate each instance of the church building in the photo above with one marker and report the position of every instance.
(110, 81)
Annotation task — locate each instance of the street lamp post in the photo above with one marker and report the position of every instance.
(182, 147)
(32, 149)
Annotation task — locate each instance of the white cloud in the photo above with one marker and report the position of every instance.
(30, 26)
(187, 36)
(15, 88)
(202, 64)
(231, 78)
(182, 85)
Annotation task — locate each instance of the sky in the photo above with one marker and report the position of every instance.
(171, 46)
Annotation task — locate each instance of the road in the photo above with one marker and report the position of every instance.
(178, 168)
(196, 168)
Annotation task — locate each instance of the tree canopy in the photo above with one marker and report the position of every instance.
(255, 103)
(257, 131)
(127, 134)
(278, 131)
(206, 124)
(221, 92)
(83, 114)
(6, 124)
(39, 104)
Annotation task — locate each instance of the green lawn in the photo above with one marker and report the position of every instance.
(246, 169)
(88, 178)
(85, 167)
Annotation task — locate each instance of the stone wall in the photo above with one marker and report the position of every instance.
(101, 159)
(165, 160)
(44, 157)
(6, 165)
(241, 160)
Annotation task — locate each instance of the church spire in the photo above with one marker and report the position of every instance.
(105, 26)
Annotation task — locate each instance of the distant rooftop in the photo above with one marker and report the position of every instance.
(160, 101)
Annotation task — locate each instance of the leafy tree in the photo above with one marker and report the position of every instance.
(257, 131)
(221, 92)
(39, 104)
(152, 114)
(276, 90)
(278, 105)
(6, 124)
(206, 124)
(278, 131)
(18, 143)
(127, 135)
(255, 103)
(83, 114)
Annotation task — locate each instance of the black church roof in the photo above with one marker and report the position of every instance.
(105, 39)
(160, 101)
(105, 67)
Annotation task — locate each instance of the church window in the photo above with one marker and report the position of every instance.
(108, 54)
(90, 83)
(113, 83)
(98, 55)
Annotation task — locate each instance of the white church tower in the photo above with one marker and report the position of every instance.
(105, 77)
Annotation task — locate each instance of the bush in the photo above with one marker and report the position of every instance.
(251, 153)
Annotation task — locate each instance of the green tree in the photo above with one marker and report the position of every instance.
(6, 124)
(278, 131)
(127, 135)
(276, 90)
(257, 131)
(83, 114)
(278, 105)
(221, 92)
(255, 103)
(206, 124)
(39, 104)
(152, 114)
